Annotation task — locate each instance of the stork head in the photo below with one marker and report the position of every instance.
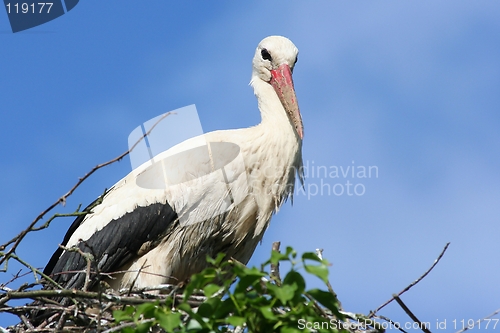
(273, 63)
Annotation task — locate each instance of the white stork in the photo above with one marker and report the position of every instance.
(163, 235)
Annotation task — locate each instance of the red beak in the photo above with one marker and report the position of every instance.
(282, 82)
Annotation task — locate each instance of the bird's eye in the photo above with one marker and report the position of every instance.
(266, 55)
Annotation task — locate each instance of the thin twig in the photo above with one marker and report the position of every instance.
(319, 253)
(127, 324)
(76, 213)
(414, 282)
(275, 268)
(3, 286)
(34, 294)
(137, 276)
(60, 322)
(479, 321)
(316, 305)
(34, 270)
(129, 300)
(422, 326)
(26, 321)
(162, 287)
(88, 258)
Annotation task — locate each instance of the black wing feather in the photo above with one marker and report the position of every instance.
(76, 223)
(112, 246)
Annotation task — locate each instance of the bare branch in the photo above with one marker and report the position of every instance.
(88, 258)
(126, 324)
(137, 276)
(423, 327)
(275, 268)
(319, 253)
(479, 321)
(35, 294)
(414, 282)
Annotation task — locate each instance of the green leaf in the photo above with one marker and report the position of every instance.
(146, 309)
(211, 289)
(320, 271)
(326, 299)
(236, 321)
(123, 315)
(185, 307)
(311, 256)
(277, 257)
(267, 312)
(224, 308)
(195, 317)
(217, 260)
(291, 252)
(194, 325)
(248, 278)
(143, 327)
(198, 281)
(294, 277)
(283, 293)
(168, 321)
(205, 310)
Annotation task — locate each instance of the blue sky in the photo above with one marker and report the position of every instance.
(411, 88)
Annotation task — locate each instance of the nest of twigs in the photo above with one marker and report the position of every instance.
(87, 311)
